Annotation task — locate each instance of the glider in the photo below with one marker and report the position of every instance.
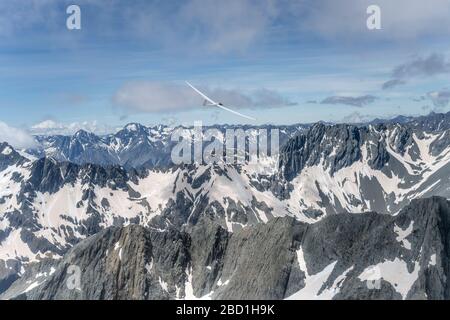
(210, 102)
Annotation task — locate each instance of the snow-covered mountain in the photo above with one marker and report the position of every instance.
(80, 185)
(133, 146)
(369, 168)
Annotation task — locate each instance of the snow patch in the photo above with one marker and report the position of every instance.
(432, 260)
(189, 290)
(314, 283)
(395, 272)
(403, 234)
(7, 151)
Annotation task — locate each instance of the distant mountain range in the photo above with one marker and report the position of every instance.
(122, 190)
(138, 146)
(134, 146)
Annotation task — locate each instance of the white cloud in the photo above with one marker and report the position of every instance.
(161, 97)
(47, 125)
(51, 127)
(16, 137)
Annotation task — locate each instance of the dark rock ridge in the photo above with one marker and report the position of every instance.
(49, 175)
(9, 156)
(432, 122)
(339, 146)
(331, 259)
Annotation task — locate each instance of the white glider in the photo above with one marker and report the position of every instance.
(209, 102)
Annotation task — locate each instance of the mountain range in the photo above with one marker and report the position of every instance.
(134, 146)
(339, 204)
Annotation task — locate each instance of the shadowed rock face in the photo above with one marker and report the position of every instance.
(414, 157)
(339, 146)
(9, 156)
(346, 256)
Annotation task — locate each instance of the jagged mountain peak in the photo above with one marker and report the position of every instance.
(134, 126)
(9, 156)
(132, 129)
(83, 134)
(5, 148)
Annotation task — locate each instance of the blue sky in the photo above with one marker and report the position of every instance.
(278, 61)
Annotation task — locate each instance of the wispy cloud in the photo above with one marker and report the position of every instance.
(421, 67)
(49, 127)
(18, 16)
(392, 83)
(429, 66)
(164, 97)
(360, 101)
(214, 26)
(228, 26)
(356, 117)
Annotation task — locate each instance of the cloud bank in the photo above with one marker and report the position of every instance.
(360, 101)
(422, 67)
(16, 137)
(162, 97)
